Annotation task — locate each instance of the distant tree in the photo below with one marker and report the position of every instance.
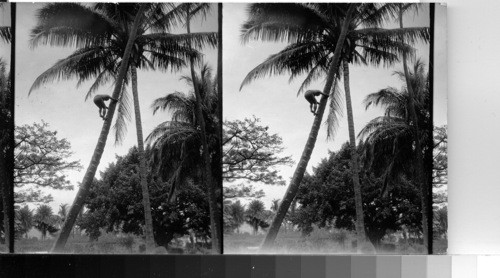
(24, 220)
(41, 159)
(441, 222)
(234, 216)
(45, 220)
(256, 215)
(440, 165)
(250, 153)
(241, 191)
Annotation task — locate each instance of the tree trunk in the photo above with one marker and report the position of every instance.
(419, 163)
(311, 141)
(101, 143)
(148, 220)
(215, 224)
(363, 243)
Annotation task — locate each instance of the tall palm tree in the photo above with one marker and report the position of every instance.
(176, 143)
(208, 179)
(419, 159)
(391, 140)
(44, 219)
(313, 30)
(54, 35)
(368, 44)
(25, 220)
(102, 49)
(298, 24)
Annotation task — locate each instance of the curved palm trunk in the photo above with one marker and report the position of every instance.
(215, 218)
(363, 242)
(101, 143)
(419, 163)
(291, 192)
(148, 220)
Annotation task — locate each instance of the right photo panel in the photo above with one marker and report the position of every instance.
(334, 128)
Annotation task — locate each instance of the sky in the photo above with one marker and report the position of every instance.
(62, 105)
(274, 100)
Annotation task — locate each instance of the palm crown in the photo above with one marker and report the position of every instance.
(100, 32)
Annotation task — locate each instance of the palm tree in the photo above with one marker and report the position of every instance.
(208, 179)
(370, 45)
(47, 32)
(299, 24)
(390, 140)
(176, 143)
(419, 159)
(44, 220)
(255, 214)
(25, 220)
(311, 48)
(236, 212)
(102, 49)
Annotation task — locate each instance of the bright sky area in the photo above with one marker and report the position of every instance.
(63, 105)
(274, 100)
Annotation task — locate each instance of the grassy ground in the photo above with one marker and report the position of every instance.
(319, 242)
(78, 244)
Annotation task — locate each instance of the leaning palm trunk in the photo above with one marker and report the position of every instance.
(419, 163)
(363, 243)
(291, 192)
(148, 220)
(101, 143)
(207, 172)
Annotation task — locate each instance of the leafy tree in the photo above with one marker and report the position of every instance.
(241, 191)
(45, 220)
(440, 165)
(114, 204)
(325, 200)
(41, 159)
(251, 153)
(24, 220)
(441, 222)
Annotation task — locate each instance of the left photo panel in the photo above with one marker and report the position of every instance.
(117, 128)
(7, 224)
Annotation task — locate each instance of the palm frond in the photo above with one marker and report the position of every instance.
(84, 63)
(410, 35)
(71, 24)
(196, 40)
(123, 116)
(296, 58)
(335, 111)
(5, 33)
(281, 22)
